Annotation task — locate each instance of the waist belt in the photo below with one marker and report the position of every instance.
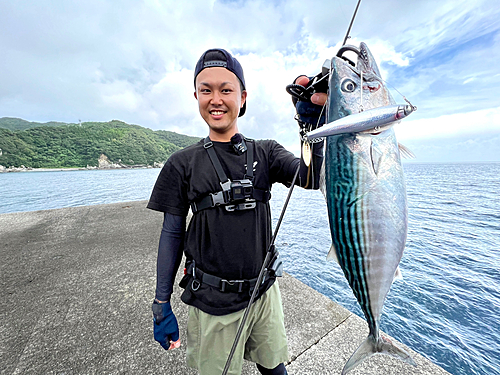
(225, 286)
(216, 199)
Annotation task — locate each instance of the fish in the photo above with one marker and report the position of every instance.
(363, 183)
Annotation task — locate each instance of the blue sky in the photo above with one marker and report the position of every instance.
(133, 60)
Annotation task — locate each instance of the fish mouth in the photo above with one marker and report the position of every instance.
(365, 64)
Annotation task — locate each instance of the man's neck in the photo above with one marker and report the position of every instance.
(222, 137)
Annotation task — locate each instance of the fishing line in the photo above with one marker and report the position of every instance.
(361, 108)
(261, 274)
(414, 107)
(318, 140)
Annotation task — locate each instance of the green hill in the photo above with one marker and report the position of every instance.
(59, 145)
(14, 124)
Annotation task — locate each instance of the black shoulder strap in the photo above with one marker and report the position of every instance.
(249, 172)
(209, 146)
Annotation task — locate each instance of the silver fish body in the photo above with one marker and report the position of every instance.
(366, 196)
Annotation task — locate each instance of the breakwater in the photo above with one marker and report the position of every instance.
(77, 285)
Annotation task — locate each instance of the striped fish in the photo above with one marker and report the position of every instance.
(366, 195)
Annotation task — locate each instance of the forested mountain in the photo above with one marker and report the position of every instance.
(57, 145)
(13, 123)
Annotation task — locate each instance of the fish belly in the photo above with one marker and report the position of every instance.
(366, 200)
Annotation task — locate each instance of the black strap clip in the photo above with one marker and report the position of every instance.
(218, 198)
(225, 283)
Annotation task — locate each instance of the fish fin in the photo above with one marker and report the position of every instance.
(376, 157)
(322, 179)
(406, 152)
(398, 275)
(332, 254)
(372, 346)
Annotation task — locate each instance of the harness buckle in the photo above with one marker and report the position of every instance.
(218, 198)
(225, 282)
(248, 205)
(226, 186)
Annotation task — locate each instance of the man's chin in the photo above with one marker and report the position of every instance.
(221, 129)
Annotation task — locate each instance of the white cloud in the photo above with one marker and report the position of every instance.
(477, 122)
(134, 61)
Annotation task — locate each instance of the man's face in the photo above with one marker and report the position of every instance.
(219, 99)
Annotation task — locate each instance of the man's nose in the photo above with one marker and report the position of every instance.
(216, 98)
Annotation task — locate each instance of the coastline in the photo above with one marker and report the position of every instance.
(23, 169)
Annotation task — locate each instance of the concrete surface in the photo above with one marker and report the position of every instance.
(76, 288)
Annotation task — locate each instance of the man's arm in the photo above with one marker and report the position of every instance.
(166, 328)
(169, 255)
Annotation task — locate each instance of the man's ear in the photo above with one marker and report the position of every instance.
(195, 95)
(243, 97)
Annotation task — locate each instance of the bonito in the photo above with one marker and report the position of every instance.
(365, 189)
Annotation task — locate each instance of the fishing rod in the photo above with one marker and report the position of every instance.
(270, 251)
(319, 83)
(352, 21)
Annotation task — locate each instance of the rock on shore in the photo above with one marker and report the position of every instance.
(104, 163)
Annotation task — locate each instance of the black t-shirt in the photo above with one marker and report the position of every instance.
(230, 245)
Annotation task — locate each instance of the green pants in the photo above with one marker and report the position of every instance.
(263, 340)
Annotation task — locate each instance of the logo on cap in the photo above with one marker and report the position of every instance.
(210, 64)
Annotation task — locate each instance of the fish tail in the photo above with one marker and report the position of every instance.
(372, 346)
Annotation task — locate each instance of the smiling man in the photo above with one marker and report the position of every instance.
(225, 179)
(221, 98)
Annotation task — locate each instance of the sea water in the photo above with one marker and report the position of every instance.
(32, 191)
(447, 306)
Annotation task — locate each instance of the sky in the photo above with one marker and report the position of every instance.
(99, 60)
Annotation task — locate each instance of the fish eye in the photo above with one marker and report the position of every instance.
(348, 85)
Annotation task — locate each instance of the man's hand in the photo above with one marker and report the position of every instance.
(310, 114)
(166, 329)
(318, 98)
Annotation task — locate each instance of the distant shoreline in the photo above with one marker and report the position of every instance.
(29, 169)
(160, 165)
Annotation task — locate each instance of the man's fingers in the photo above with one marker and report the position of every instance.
(319, 98)
(302, 80)
(175, 344)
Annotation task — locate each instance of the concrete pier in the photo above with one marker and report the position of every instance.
(76, 289)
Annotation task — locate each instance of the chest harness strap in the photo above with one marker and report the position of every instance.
(235, 195)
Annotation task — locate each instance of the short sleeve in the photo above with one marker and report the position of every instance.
(169, 193)
(282, 164)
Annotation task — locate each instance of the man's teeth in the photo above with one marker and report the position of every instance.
(217, 113)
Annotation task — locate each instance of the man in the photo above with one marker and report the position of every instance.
(225, 179)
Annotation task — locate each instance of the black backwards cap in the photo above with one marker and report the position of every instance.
(221, 58)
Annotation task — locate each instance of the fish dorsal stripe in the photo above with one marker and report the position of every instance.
(347, 221)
